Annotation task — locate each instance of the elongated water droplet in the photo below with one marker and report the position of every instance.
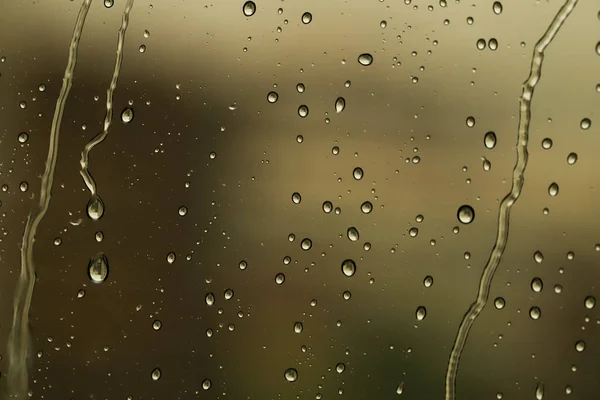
(490, 140)
(171, 257)
(98, 268)
(352, 234)
(340, 368)
(95, 208)
(481, 44)
(365, 59)
(340, 104)
(300, 87)
(298, 327)
(249, 8)
(539, 391)
(493, 44)
(428, 281)
(280, 278)
(537, 285)
(209, 299)
(400, 388)
(156, 374)
(327, 207)
(296, 198)
(470, 121)
(421, 313)
(553, 189)
(497, 7)
(348, 267)
(538, 257)
(572, 158)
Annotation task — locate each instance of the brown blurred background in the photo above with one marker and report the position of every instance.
(201, 86)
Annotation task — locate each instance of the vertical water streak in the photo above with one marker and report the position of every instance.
(99, 138)
(19, 341)
(508, 201)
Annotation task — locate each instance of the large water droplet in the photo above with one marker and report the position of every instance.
(585, 124)
(298, 327)
(490, 140)
(296, 198)
(95, 208)
(580, 346)
(272, 97)
(366, 207)
(538, 257)
(572, 158)
(303, 111)
(108, 3)
(421, 313)
(365, 59)
(466, 214)
(348, 267)
(590, 302)
(306, 244)
(428, 281)
(340, 368)
(499, 303)
(127, 115)
(497, 7)
(400, 388)
(547, 143)
(358, 173)
(537, 285)
(327, 207)
(209, 299)
(553, 189)
(206, 384)
(156, 374)
(535, 313)
(306, 18)
(156, 325)
(249, 8)
(352, 234)
(23, 137)
(340, 104)
(539, 391)
(291, 375)
(98, 268)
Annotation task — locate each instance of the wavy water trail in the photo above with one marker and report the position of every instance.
(489, 270)
(19, 341)
(95, 206)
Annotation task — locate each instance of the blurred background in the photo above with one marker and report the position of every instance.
(213, 185)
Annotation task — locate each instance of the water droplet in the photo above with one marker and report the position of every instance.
(146, 34)
(499, 303)
(23, 186)
(585, 124)
(580, 346)
(42, 87)
(590, 302)
(303, 111)
(481, 44)
(340, 368)
(80, 293)
(108, 3)
(209, 299)
(493, 44)
(487, 164)
(98, 268)
(272, 97)
(228, 294)
(553, 189)
(428, 281)
(547, 143)
(298, 327)
(347, 84)
(291, 237)
(539, 391)
(206, 384)
(348, 267)
(537, 285)
(142, 48)
(358, 173)
(497, 7)
(538, 257)
(327, 207)
(383, 24)
(535, 313)
(340, 104)
(300, 87)
(95, 208)
(23, 137)
(470, 122)
(347, 295)
(421, 313)
(352, 234)
(306, 244)
(156, 374)
(470, 20)
(156, 325)
(279, 278)
(572, 158)
(182, 211)
(171, 257)
(291, 375)
(99, 236)
(400, 388)
(490, 140)
(413, 232)
(366, 207)
(249, 8)
(296, 198)
(127, 115)
(365, 59)
(466, 214)
(558, 289)
(306, 18)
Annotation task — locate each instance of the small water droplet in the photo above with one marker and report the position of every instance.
(470, 122)
(352, 234)
(466, 214)
(95, 208)
(99, 236)
(365, 59)
(23, 186)
(98, 268)
(340, 368)
(421, 313)
(249, 8)
(489, 140)
(127, 115)
(142, 48)
(553, 189)
(300, 87)
(291, 374)
(347, 295)
(348, 267)
(306, 18)
(306, 244)
(340, 104)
